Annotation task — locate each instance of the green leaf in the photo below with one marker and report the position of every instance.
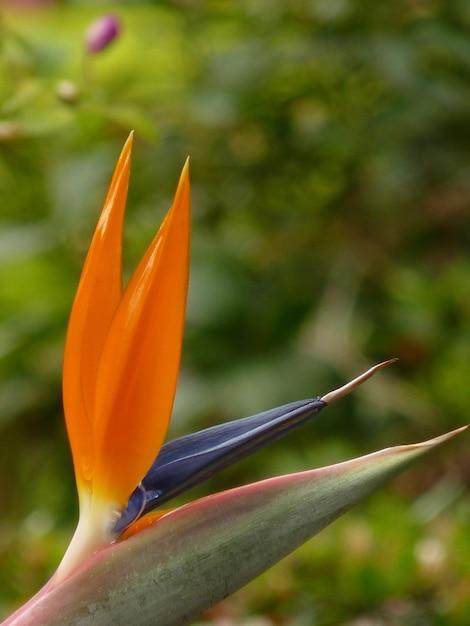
(196, 555)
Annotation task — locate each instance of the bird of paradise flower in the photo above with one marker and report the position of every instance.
(121, 363)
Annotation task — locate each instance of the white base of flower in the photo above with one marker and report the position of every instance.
(93, 532)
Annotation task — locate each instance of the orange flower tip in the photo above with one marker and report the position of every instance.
(129, 140)
(125, 156)
(123, 164)
(185, 172)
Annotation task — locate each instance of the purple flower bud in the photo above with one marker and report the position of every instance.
(101, 33)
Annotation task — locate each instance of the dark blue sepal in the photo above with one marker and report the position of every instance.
(188, 461)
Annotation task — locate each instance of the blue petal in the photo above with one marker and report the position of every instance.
(187, 461)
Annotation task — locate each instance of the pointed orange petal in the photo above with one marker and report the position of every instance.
(98, 295)
(139, 367)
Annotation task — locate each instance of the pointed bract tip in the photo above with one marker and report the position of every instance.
(336, 394)
(422, 446)
(445, 437)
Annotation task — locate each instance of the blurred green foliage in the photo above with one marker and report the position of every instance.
(330, 146)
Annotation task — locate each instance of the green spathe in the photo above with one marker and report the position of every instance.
(198, 554)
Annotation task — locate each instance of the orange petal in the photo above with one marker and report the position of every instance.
(142, 523)
(138, 373)
(98, 295)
